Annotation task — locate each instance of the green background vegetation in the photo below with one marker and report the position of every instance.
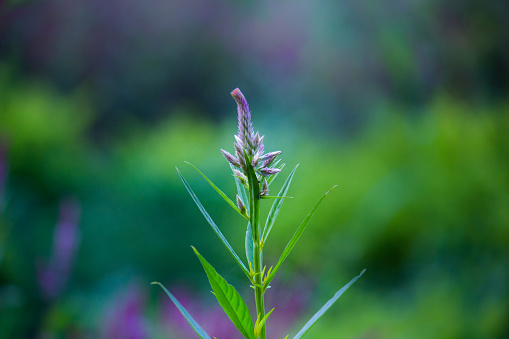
(421, 166)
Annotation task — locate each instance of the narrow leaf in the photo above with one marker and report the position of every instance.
(276, 206)
(325, 307)
(261, 322)
(228, 200)
(196, 327)
(249, 247)
(229, 299)
(213, 225)
(294, 239)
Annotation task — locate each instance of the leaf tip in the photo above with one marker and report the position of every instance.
(333, 187)
(155, 283)
(195, 251)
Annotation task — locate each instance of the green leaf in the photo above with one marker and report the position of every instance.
(241, 191)
(201, 332)
(325, 307)
(294, 239)
(229, 299)
(261, 322)
(249, 247)
(231, 203)
(276, 206)
(213, 225)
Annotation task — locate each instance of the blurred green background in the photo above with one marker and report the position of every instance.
(403, 105)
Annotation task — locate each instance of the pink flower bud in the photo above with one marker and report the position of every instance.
(269, 171)
(241, 205)
(231, 159)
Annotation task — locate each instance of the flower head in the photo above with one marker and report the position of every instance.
(248, 145)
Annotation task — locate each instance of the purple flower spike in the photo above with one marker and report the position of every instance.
(246, 133)
(249, 145)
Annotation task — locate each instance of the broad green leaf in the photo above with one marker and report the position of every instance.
(229, 299)
(213, 225)
(276, 206)
(294, 239)
(231, 203)
(325, 307)
(241, 191)
(201, 332)
(249, 247)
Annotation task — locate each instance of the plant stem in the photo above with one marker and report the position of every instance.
(254, 208)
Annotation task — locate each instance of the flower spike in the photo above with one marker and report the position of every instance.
(249, 146)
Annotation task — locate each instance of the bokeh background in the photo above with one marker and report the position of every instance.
(403, 105)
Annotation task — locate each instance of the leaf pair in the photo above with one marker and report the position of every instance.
(236, 309)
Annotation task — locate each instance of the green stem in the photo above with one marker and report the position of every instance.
(254, 208)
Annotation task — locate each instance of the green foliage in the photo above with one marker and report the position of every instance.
(423, 206)
(229, 299)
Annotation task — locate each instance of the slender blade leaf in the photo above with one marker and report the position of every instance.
(261, 322)
(325, 307)
(229, 299)
(196, 327)
(276, 206)
(213, 225)
(294, 239)
(228, 200)
(249, 247)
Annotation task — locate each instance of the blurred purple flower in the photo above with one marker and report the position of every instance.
(53, 275)
(125, 319)
(290, 302)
